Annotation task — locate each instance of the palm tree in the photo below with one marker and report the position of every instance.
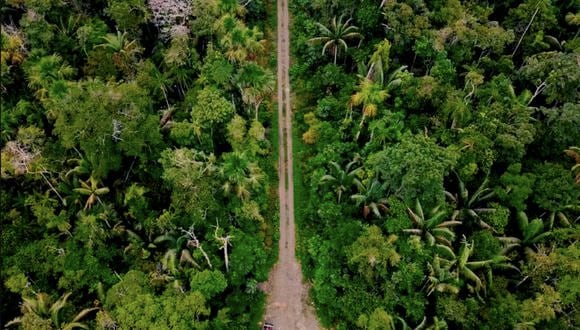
(370, 94)
(379, 62)
(240, 175)
(91, 188)
(388, 128)
(255, 44)
(460, 266)
(433, 229)
(532, 232)
(456, 109)
(240, 43)
(255, 84)
(120, 44)
(124, 50)
(341, 179)
(42, 309)
(160, 81)
(440, 279)
(178, 247)
(372, 198)
(335, 36)
(468, 208)
(46, 71)
(13, 50)
(83, 166)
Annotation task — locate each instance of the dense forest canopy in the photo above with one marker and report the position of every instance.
(437, 162)
(138, 185)
(439, 159)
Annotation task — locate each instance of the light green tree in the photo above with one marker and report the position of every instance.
(41, 313)
(373, 254)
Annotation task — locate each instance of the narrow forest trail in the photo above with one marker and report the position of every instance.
(287, 307)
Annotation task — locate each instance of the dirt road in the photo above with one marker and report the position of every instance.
(287, 306)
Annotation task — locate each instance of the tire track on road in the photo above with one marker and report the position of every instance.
(287, 306)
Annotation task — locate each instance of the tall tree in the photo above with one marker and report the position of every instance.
(41, 313)
(335, 36)
(255, 84)
(240, 175)
(379, 61)
(468, 207)
(373, 253)
(370, 95)
(434, 229)
(342, 179)
(372, 198)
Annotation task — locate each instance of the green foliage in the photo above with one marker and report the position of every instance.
(503, 311)
(558, 71)
(209, 283)
(46, 72)
(543, 307)
(397, 218)
(211, 109)
(414, 168)
(132, 303)
(488, 246)
(189, 174)
(498, 219)
(558, 132)
(484, 90)
(554, 188)
(126, 140)
(248, 258)
(136, 202)
(216, 69)
(17, 283)
(128, 14)
(114, 142)
(373, 254)
(91, 34)
(461, 313)
(379, 319)
(516, 187)
(108, 121)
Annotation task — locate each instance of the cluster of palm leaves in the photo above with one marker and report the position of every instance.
(40, 311)
(450, 270)
(241, 176)
(124, 50)
(374, 85)
(468, 208)
(255, 84)
(334, 37)
(370, 196)
(433, 227)
(241, 42)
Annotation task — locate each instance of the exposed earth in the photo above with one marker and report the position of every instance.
(288, 304)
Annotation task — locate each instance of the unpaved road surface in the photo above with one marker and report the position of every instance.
(287, 306)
